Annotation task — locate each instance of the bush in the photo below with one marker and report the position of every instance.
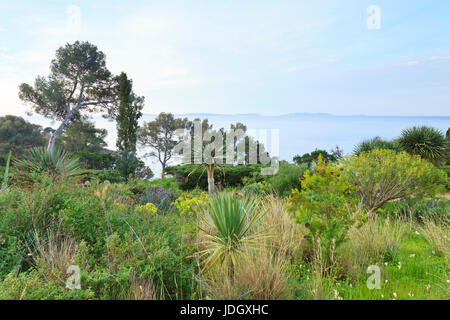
(96, 161)
(324, 206)
(375, 143)
(123, 248)
(383, 175)
(112, 176)
(287, 178)
(162, 199)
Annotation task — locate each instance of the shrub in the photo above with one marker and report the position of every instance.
(426, 142)
(375, 143)
(383, 175)
(417, 208)
(287, 178)
(96, 161)
(112, 176)
(188, 204)
(324, 206)
(161, 198)
(226, 176)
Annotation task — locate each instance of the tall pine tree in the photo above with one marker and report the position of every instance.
(130, 107)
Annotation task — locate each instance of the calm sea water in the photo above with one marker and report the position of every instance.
(298, 133)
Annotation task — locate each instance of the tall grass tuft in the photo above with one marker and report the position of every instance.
(4, 186)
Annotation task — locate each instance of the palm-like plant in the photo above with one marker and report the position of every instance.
(55, 162)
(427, 142)
(229, 229)
(374, 143)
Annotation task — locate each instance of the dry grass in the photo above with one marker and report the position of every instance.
(142, 289)
(53, 256)
(437, 234)
(260, 275)
(370, 244)
(286, 236)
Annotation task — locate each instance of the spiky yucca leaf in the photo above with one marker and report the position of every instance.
(427, 142)
(56, 162)
(229, 229)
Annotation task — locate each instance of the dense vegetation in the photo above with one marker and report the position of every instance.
(78, 221)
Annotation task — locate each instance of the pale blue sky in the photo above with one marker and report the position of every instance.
(267, 57)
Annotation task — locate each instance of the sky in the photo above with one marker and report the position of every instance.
(231, 57)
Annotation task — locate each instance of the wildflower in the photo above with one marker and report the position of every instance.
(386, 281)
(428, 287)
(395, 294)
(382, 295)
(411, 294)
(385, 263)
(399, 265)
(412, 255)
(417, 232)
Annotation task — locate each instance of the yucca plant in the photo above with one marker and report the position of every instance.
(229, 229)
(55, 162)
(374, 143)
(427, 142)
(4, 186)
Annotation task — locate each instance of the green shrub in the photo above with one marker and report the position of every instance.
(96, 161)
(110, 175)
(325, 206)
(446, 169)
(375, 143)
(383, 175)
(287, 178)
(226, 176)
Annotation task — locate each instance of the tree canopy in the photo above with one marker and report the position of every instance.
(19, 135)
(78, 82)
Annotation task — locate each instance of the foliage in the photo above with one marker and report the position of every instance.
(287, 178)
(78, 81)
(427, 142)
(308, 158)
(383, 175)
(257, 189)
(188, 204)
(96, 161)
(325, 206)
(110, 175)
(446, 169)
(375, 143)
(417, 208)
(161, 198)
(19, 135)
(4, 186)
(129, 112)
(159, 134)
(55, 162)
(226, 176)
(148, 209)
(82, 136)
(228, 229)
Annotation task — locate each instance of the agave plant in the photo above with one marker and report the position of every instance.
(427, 142)
(228, 230)
(55, 162)
(374, 143)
